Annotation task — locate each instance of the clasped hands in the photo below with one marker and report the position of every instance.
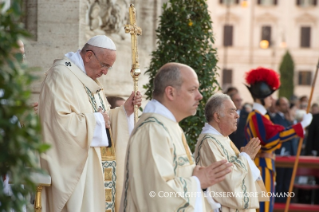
(217, 171)
(252, 148)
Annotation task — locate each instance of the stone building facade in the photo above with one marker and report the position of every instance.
(60, 26)
(288, 24)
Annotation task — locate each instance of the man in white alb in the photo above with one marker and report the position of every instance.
(75, 117)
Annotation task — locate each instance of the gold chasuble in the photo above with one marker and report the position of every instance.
(82, 181)
(159, 169)
(238, 192)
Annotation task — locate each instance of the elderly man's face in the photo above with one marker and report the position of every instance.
(228, 121)
(99, 62)
(188, 96)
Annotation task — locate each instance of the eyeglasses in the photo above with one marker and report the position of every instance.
(101, 64)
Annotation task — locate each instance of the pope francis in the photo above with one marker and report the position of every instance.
(75, 118)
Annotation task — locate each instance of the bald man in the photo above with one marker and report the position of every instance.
(161, 174)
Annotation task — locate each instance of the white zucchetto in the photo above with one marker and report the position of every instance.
(102, 41)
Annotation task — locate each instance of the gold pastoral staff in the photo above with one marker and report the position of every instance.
(134, 30)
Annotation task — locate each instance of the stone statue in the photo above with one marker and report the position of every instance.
(110, 16)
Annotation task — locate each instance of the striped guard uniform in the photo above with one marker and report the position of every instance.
(271, 136)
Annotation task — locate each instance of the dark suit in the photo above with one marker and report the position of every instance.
(283, 175)
(290, 147)
(313, 144)
(238, 137)
(313, 136)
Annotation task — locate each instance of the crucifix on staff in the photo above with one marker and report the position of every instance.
(135, 31)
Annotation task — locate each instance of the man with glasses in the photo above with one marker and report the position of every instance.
(75, 118)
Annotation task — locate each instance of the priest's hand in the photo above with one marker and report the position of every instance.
(131, 101)
(212, 174)
(106, 118)
(252, 148)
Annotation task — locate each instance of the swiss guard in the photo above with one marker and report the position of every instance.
(261, 83)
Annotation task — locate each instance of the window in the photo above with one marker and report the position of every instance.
(228, 35)
(266, 34)
(227, 77)
(229, 2)
(305, 37)
(306, 3)
(304, 78)
(267, 2)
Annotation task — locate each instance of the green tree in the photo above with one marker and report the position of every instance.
(185, 35)
(18, 144)
(286, 76)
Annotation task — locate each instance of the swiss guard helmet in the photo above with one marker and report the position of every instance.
(262, 82)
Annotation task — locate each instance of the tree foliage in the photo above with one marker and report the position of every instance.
(18, 144)
(287, 76)
(185, 35)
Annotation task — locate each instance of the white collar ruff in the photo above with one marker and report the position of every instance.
(260, 108)
(155, 106)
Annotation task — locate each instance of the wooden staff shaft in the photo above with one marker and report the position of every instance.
(300, 145)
